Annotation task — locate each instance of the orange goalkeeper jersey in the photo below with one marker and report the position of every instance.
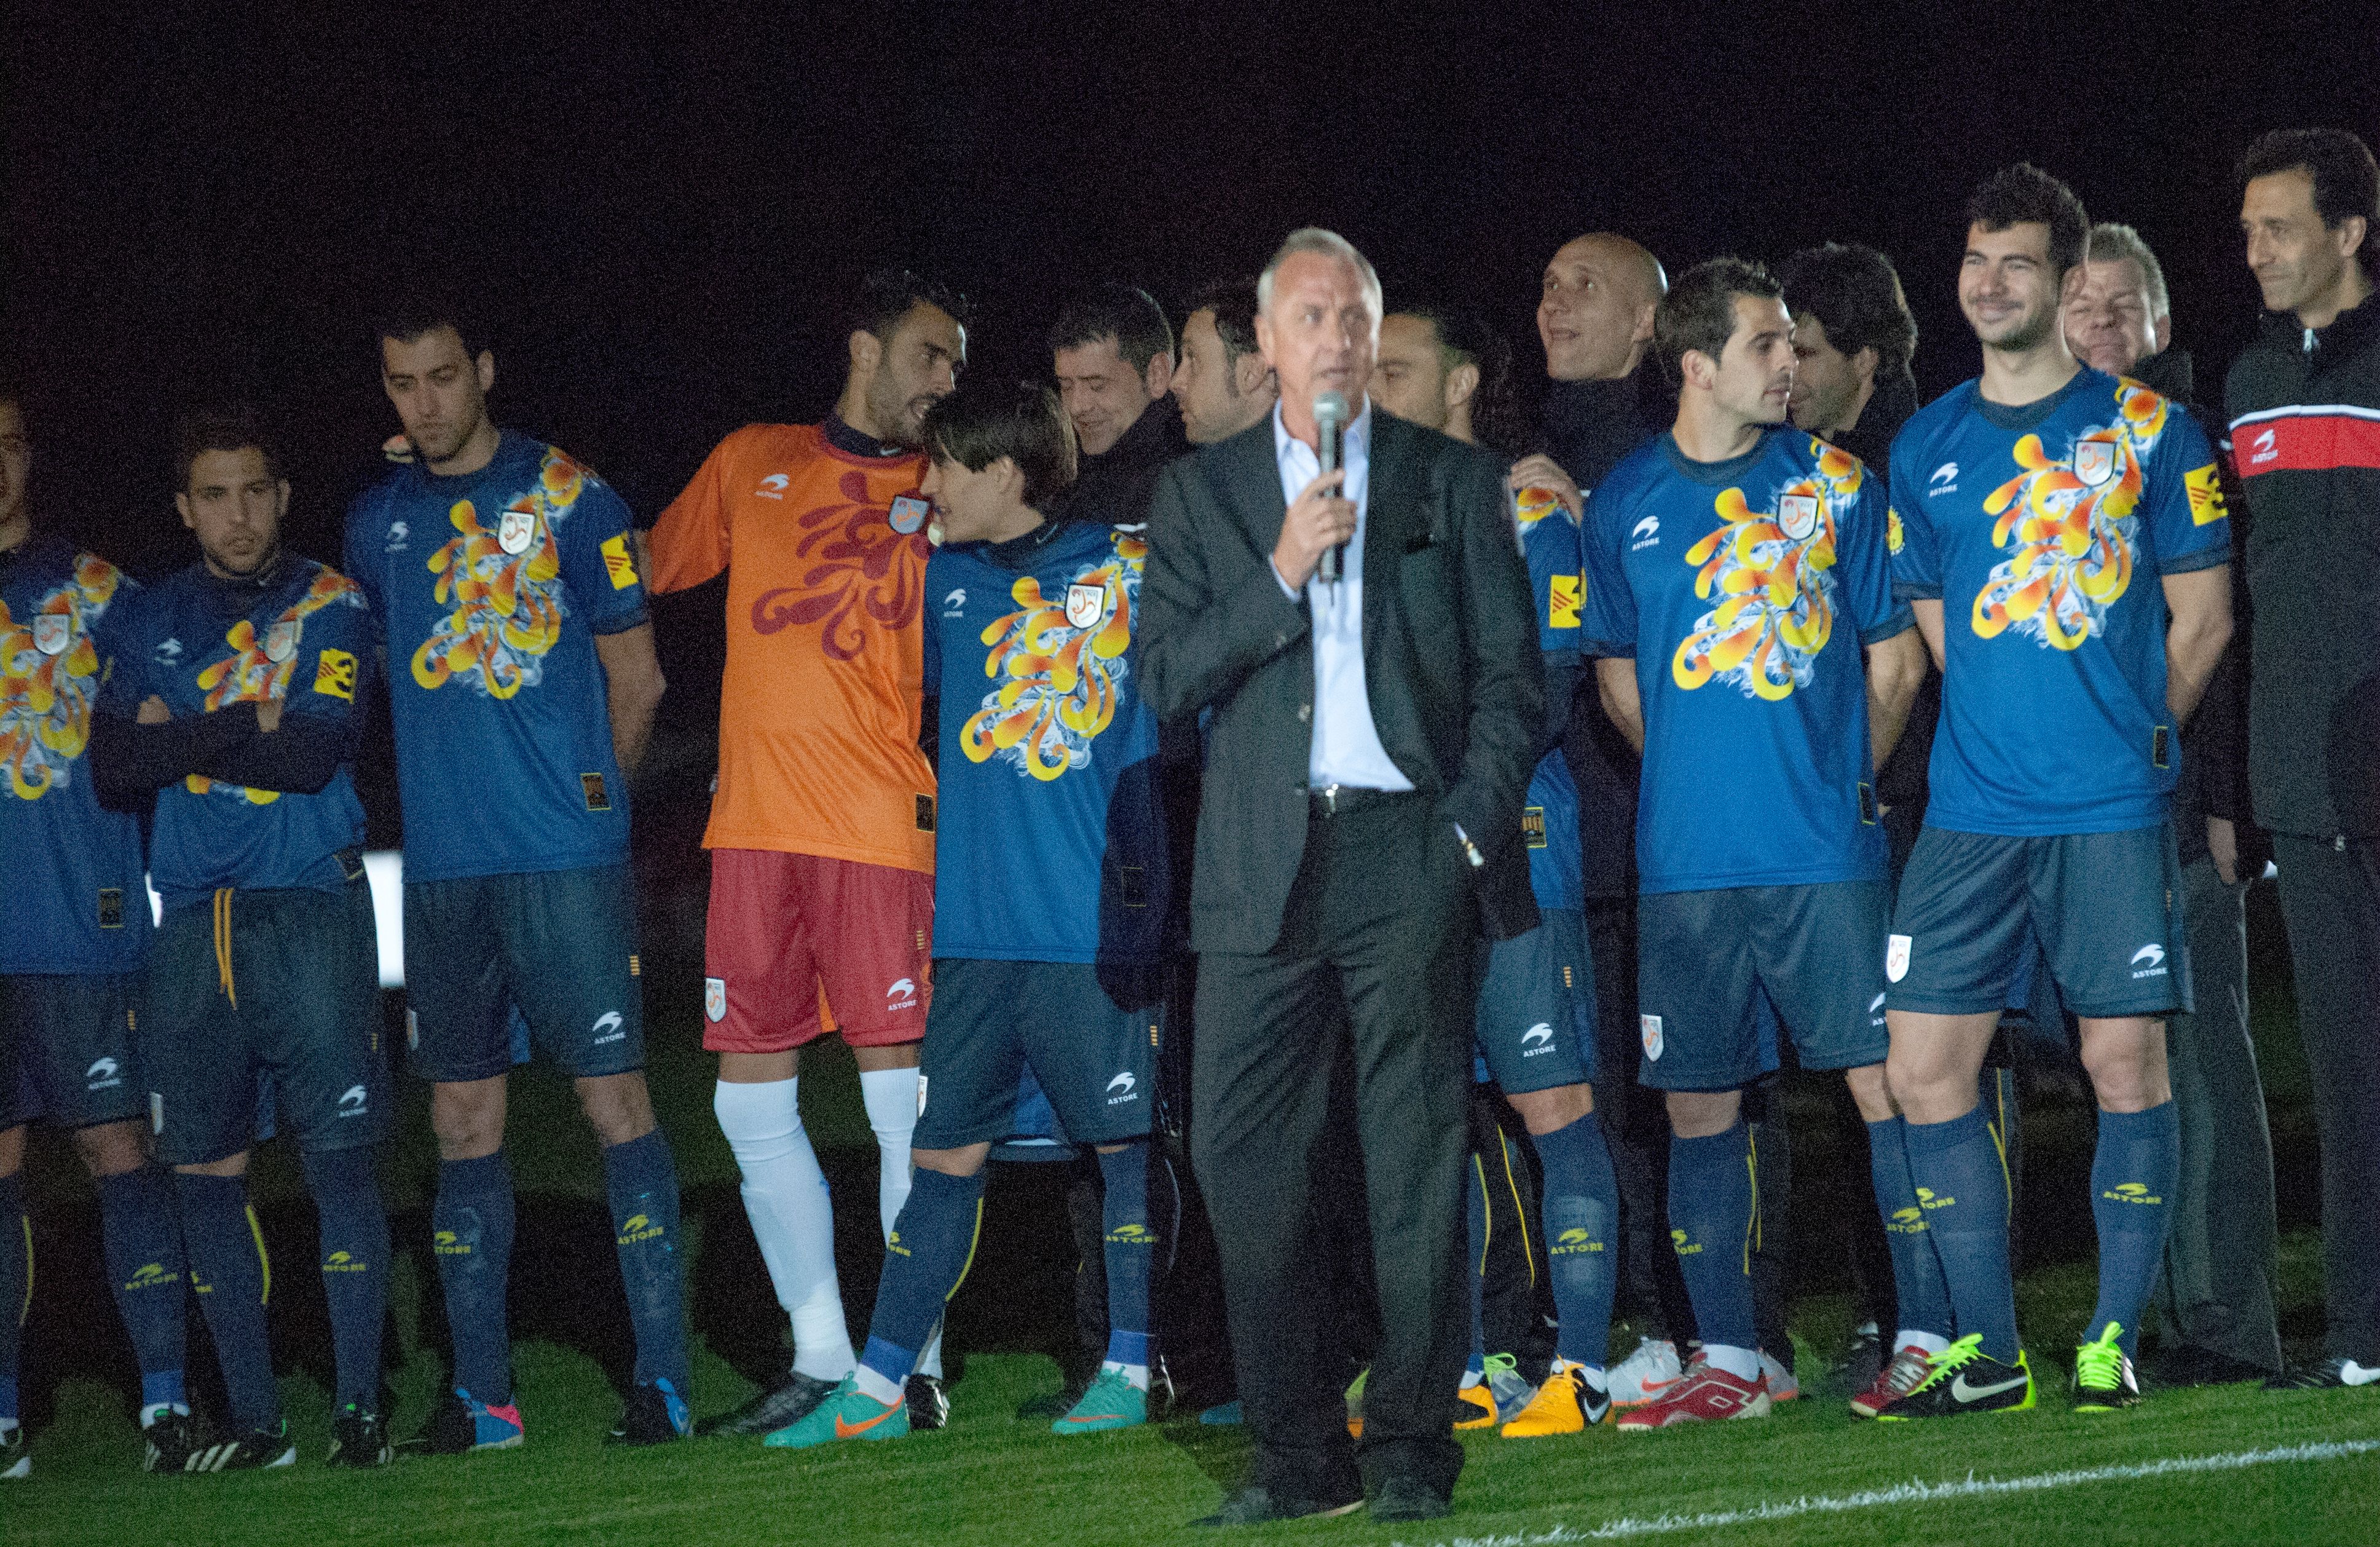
(825, 553)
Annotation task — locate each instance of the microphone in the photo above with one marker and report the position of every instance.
(1329, 435)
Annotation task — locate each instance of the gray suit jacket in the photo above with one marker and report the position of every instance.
(1450, 663)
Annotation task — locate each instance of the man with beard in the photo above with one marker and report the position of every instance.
(821, 833)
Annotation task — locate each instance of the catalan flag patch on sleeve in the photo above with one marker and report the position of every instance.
(1563, 597)
(2205, 495)
(334, 674)
(617, 564)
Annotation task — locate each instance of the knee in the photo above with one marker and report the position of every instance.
(962, 1162)
(1870, 1092)
(2127, 1065)
(469, 1118)
(1550, 1110)
(1701, 1113)
(618, 1107)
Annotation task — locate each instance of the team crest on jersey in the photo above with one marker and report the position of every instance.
(1061, 667)
(515, 529)
(50, 677)
(1772, 577)
(714, 1000)
(2072, 526)
(504, 586)
(908, 513)
(259, 669)
(281, 641)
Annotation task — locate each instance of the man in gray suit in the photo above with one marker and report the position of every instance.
(1370, 738)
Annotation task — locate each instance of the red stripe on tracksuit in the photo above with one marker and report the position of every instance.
(2306, 442)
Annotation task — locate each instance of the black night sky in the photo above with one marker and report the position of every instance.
(661, 206)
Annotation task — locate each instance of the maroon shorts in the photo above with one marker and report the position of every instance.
(798, 946)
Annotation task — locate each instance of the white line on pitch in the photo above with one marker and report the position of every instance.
(1922, 1493)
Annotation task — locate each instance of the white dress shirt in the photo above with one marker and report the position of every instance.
(1346, 748)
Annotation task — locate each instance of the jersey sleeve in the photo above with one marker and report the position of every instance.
(1909, 539)
(332, 656)
(937, 575)
(355, 561)
(123, 657)
(2182, 508)
(690, 541)
(1864, 555)
(1608, 619)
(1556, 550)
(597, 562)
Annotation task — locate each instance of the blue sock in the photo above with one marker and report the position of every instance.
(1130, 1252)
(932, 1243)
(641, 1179)
(2133, 1175)
(1475, 1273)
(1581, 1212)
(471, 1224)
(16, 1285)
(1917, 1286)
(1962, 1188)
(353, 1219)
(234, 1276)
(142, 1241)
(1710, 1225)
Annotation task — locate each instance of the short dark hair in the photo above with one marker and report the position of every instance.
(2345, 180)
(977, 426)
(12, 390)
(1465, 337)
(1855, 295)
(1124, 312)
(1233, 302)
(886, 295)
(1699, 311)
(413, 313)
(222, 427)
(2024, 194)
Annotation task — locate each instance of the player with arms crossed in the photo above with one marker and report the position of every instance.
(2031, 507)
(1049, 896)
(522, 682)
(821, 833)
(1736, 567)
(231, 689)
(71, 959)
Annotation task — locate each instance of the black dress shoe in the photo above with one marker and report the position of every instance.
(2188, 1364)
(1409, 1498)
(1255, 1506)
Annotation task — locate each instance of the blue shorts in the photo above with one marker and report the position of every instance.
(66, 1049)
(1087, 1033)
(1535, 1029)
(250, 987)
(557, 947)
(1706, 960)
(2105, 906)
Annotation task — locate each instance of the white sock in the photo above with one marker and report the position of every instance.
(878, 1388)
(1741, 1363)
(1137, 1373)
(1933, 1343)
(890, 1097)
(793, 1218)
(1593, 1372)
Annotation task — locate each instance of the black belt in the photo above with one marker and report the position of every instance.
(1338, 800)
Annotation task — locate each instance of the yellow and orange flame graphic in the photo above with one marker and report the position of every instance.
(509, 607)
(250, 675)
(2074, 540)
(1059, 681)
(45, 699)
(1776, 609)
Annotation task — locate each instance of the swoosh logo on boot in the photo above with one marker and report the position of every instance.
(1965, 1392)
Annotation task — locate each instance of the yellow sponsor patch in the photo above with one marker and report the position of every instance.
(1892, 538)
(1562, 599)
(2205, 495)
(334, 674)
(617, 564)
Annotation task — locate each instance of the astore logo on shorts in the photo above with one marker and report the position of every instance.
(102, 1074)
(610, 1027)
(352, 1103)
(1536, 1040)
(2149, 961)
(1120, 1089)
(902, 995)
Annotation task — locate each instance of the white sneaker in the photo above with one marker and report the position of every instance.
(1646, 1373)
(1782, 1387)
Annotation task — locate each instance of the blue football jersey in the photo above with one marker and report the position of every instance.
(1052, 845)
(76, 903)
(2042, 531)
(490, 589)
(1554, 545)
(303, 638)
(1743, 591)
